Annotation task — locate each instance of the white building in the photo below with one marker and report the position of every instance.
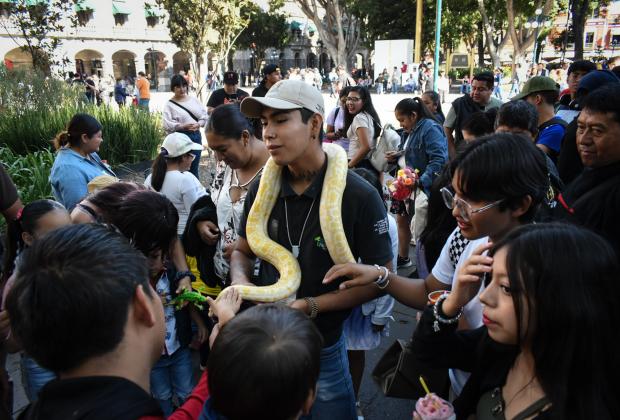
(115, 38)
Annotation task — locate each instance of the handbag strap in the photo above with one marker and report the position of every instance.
(186, 110)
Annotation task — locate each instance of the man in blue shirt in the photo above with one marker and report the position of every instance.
(542, 92)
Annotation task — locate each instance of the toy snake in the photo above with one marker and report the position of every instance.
(330, 217)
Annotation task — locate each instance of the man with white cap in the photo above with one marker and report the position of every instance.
(292, 116)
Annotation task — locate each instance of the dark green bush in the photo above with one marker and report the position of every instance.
(33, 110)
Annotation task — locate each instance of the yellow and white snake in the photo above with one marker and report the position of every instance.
(330, 217)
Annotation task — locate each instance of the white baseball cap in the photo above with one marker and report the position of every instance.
(177, 144)
(286, 94)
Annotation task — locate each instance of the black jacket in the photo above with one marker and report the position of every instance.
(92, 398)
(202, 210)
(463, 108)
(593, 200)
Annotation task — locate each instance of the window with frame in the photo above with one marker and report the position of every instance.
(589, 39)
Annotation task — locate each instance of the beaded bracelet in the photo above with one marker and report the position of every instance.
(439, 318)
(383, 280)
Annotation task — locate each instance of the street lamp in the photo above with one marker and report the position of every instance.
(536, 24)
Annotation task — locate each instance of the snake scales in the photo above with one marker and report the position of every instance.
(330, 216)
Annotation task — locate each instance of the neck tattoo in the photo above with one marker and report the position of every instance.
(304, 175)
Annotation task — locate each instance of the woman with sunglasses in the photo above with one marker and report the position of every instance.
(242, 157)
(550, 311)
(362, 126)
(498, 183)
(170, 175)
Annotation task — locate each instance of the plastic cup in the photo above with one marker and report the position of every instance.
(433, 297)
(432, 407)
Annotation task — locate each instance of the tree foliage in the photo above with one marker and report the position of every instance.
(199, 25)
(266, 29)
(339, 29)
(39, 22)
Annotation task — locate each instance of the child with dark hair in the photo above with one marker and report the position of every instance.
(98, 323)
(150, 221)
(102, 204)
(550, 297)
(170, 175)
(264, 364)
(498, 183)
(35, 220)
(479, 124)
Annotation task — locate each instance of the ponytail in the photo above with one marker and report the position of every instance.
(158, 170)
(61, 140)
(26, 221)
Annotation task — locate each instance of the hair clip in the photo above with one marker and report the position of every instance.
(18, 217)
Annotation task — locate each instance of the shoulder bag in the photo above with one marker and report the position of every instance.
(388, 141)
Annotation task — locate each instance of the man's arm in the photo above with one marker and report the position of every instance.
(241, 262)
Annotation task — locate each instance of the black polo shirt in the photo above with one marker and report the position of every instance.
(365, 225)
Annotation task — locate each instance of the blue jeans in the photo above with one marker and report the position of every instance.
(144, 104)
(172, 375)
(34, 377)
(395, 87)
(335, 398)
(196, 138)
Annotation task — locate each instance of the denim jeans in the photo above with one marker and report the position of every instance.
(335, 398)
(172, 375)
(196, 138)
(144, 104)
(34, 377)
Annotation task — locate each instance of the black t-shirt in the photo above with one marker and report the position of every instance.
(365, 225)
(8, 192)
(261, 90)
(220, 97)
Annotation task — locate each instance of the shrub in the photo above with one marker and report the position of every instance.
(29, 172)
(34, 109)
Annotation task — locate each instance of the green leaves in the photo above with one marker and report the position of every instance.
(30, 173)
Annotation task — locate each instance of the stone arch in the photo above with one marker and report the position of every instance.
(155, 67)
(311, 60)
(18, 59)
(89, 62)
(181, 61)
(124, 64)
(297, 60)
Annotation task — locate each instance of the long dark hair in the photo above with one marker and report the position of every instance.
(79, 124)
(410, 105)
(366, 107)
(434, 96)
(567, 276)
(108, 199)
(160, 167)
(27, 221)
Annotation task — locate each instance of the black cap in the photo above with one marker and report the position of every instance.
(231, 78)
(269, 68)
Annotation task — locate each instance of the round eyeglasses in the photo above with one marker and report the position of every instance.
(465, 209)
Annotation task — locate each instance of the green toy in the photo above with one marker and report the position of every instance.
(189, 296)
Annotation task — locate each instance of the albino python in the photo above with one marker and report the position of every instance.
(330, 216)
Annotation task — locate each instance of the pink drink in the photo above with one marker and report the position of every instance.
(432, 407)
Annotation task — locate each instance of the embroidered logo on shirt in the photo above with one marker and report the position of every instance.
(382, 227)
(319, 242)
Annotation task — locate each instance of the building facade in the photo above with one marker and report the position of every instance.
(114, 39)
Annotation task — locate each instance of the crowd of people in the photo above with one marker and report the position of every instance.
(514, 212)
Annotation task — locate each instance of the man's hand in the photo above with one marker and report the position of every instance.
(184, 284)
(359, 274)
(228, 249)
(208, 231)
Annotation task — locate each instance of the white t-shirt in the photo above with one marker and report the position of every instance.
(182, 189)
(445, 271)
(362, 119)
(336, 120)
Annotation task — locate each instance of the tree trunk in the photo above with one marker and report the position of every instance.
(488, 34)
(579, 10)
(480, 41)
